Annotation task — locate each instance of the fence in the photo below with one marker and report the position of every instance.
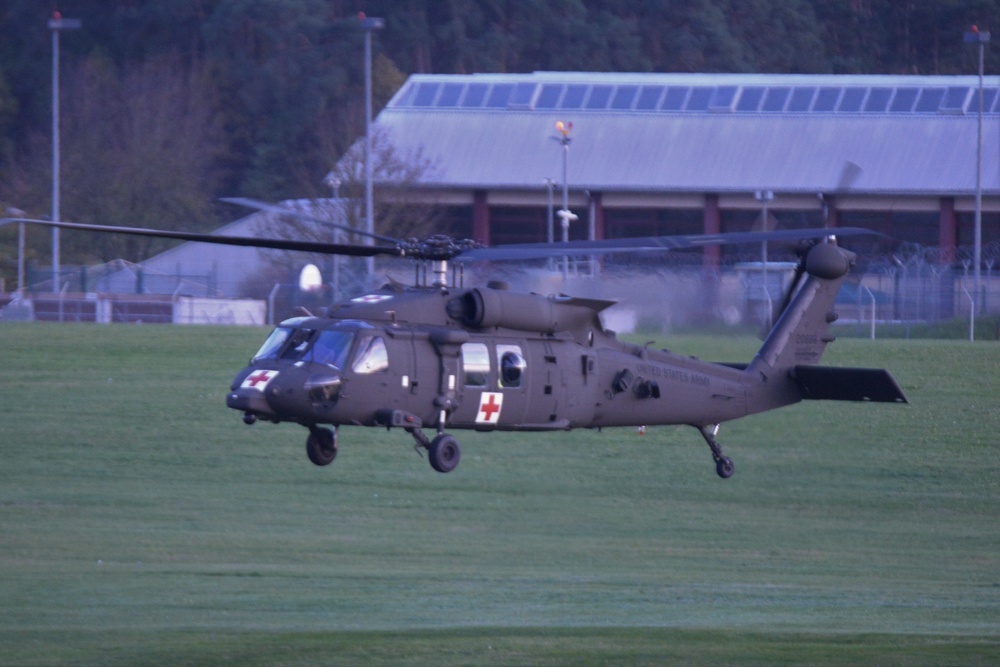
(652, 297)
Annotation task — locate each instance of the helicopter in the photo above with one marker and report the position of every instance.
(440, 356)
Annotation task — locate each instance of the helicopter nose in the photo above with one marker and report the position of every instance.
(300, 393)
(247, 391)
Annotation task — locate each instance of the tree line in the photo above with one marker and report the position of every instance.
(169, 105)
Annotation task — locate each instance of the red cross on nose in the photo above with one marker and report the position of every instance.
(260, 376)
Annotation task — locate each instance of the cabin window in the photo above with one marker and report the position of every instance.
(476, 363)
(512, 365)
(373, 359)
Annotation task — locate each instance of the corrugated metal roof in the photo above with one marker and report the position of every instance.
(698, 149)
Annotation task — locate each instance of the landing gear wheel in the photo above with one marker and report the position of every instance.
(724, 466)
(321, 446)
(444, 453)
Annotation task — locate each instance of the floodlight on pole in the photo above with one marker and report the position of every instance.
(369, 24)
(56, 24)
(565, 215)
(975, 36)
(764, 197)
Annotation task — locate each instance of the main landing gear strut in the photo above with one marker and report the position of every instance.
(723, 464)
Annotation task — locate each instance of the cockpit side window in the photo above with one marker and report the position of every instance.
(374, 357)
(271, 346)
(331, 348)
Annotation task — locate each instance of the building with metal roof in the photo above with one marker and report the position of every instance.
(654, 154)
(682, 153)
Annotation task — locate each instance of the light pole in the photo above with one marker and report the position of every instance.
(765, 196)
(973, 36)
(334, 183)
(565, 215)
(56, 24)
(369, 24)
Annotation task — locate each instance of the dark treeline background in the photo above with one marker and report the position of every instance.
(169, 104)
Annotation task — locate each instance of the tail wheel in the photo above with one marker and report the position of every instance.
(444, 453)
(321, 446)
(724, 466)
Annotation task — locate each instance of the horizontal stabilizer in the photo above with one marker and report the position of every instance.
(824, 383)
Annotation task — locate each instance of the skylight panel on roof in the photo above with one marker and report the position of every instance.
(599, 97)
(573, 99)
(750, 99)
(499, 95)
(802, 99)
(904, 99)
(549, 97)
(522, 95)
(404, 98)
(450, 94)
(775, 98)
(674, 100)
(426, 92)
(722, 98)
(826, 99)
(623, 97)
(954, 99)
(852, 100)
(649, 98)
(699, 99)
(930, 100)
(474, 96)
(878, 100)
(989, 97)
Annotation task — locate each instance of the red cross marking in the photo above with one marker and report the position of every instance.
(260, 376)
(488, 408)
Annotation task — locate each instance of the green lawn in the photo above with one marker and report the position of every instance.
(141, 522)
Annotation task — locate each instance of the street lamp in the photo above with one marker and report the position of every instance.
(334, 183)
(765, 196)
(973, 36)
(369, 24)
(56, 24)
(565, 215)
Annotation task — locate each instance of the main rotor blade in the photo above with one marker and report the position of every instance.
(349, 250)
(648, 244)
(278, 210)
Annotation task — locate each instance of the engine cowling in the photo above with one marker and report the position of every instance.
(486, 308)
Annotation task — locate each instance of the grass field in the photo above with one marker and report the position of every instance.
(142, 523)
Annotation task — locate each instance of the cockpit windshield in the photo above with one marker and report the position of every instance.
(331, 348)
(326, 346)
(271, 346)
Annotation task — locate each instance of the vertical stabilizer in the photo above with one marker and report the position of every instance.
(801, 333)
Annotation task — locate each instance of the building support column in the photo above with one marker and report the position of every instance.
(480, 217)
(712, 225)
(831, 215)
(596, 231)
(947, 231)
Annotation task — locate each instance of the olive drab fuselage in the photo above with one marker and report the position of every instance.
(487, 379)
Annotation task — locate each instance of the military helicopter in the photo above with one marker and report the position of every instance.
(440, 356)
